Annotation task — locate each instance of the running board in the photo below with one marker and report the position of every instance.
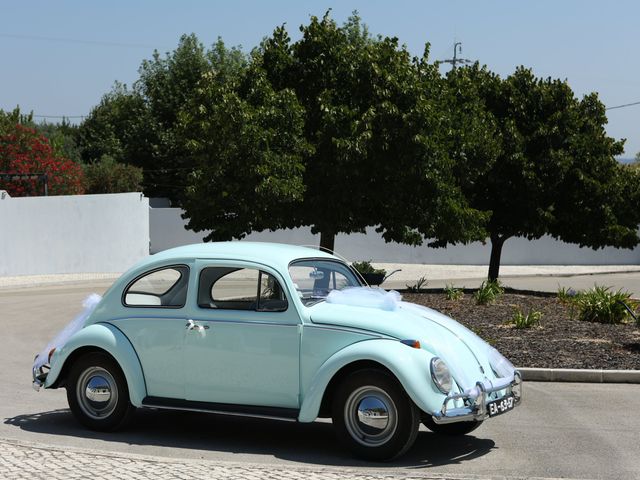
(274, 413)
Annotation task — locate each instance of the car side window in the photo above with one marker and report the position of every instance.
(232, 288)
(164, 287)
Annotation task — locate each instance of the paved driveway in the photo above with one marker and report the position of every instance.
(561, 430)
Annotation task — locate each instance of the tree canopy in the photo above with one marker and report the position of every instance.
(548, 166)
(139, 125)
(341, 130)
(366, 142)
(248, 156)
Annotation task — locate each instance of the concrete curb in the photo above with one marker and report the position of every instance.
(579, 375)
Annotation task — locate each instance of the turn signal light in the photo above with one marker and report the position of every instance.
(411, 343)
(51, 353)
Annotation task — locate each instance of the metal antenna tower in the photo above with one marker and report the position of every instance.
(457, 48)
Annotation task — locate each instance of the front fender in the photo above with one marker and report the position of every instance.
(409, 365)
(110, 339)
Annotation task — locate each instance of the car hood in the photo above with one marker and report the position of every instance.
(466, 354)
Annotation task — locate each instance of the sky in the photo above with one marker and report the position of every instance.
(59, 58)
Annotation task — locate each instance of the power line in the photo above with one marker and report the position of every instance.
(76, 40)
(59, 116)
(453, 61)
(623, 106)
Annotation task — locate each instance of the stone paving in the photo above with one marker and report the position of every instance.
(20, 460)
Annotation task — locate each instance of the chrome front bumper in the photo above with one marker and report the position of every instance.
(39, 375)
(476, 399)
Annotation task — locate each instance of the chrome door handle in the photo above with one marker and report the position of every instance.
(191, 325)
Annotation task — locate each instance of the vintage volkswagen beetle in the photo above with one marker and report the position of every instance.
(276, 331)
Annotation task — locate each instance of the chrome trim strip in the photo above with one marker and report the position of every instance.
(248, 322)
(339, 328)
(195, 319)
(220, 412)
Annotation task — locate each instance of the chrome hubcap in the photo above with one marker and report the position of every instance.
(97, 392)
(370, 416)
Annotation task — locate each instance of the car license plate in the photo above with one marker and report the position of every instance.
(498, 407)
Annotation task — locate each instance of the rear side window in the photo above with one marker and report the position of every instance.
(164, 287)
(231, 288)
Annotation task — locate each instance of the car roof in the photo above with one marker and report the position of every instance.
(275, 254)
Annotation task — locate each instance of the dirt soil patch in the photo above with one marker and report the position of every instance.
(559, 342)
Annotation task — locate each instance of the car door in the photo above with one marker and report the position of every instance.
(245, 344)
(154, 322)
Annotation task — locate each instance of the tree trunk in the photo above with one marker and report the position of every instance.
(496, 251)
(327, 240)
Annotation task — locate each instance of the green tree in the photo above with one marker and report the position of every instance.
(372, 142)
(119, 127)
(548, 166)
(138, 126)
(636, 162)
(62, 136)
(109, 176)
(248, 151)
(9, 120)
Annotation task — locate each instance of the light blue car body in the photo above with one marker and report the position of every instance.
(280, 360)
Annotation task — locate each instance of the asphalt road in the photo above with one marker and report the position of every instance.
(561, 430)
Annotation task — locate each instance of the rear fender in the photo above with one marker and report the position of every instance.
(410, 366)
(108, 338)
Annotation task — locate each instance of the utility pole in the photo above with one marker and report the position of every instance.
(457, 48)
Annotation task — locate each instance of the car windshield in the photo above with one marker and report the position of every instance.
(314, 278)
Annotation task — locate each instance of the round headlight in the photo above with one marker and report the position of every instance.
(441, 375)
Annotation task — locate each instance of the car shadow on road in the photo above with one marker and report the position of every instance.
(313, 443)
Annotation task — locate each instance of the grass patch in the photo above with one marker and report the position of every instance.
(531, 319)
(566, 294)
(453, 293)
(418, 286)
(488, 292)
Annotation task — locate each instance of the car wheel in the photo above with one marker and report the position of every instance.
(458, 428)
(97, 393)
(374, 416)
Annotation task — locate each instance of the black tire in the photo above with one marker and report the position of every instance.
(98, 394)
(452, 429)
(382, 438)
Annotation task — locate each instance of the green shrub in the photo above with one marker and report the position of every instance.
(453, 293)
(417, 287)
(365, 267)
(488, 292)
(602, 305)
(520, 320)
(110, 176)
(566, 294)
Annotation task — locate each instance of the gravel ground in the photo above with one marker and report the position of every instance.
(558, 342)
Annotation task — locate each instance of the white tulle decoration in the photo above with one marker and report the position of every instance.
(366, 297)
(72, 327)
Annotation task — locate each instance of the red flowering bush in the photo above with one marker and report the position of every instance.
(23, 150)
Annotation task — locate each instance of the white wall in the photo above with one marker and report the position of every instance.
(167, 230)
(72, 234)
